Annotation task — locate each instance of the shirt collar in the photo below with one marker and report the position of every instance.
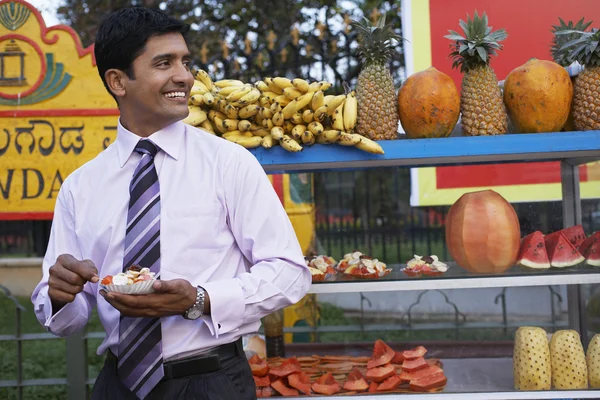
(167, 139)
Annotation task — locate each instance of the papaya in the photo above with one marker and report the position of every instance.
(258, 366)
(326, 384)
(428, 382)
(414, 364)
(261, 381)
(300, 381)
(287, 367)
(398, 358)
(379, 374)
(420, 373)
(283, 389)
(356, 382)
(417, 352)
(389, 384)
(382, 354)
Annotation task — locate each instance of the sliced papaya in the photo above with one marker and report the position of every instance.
(326, 384)
(389, 384)
(356, 381)
(373, 387)
(417, 352)
(300, 381)
(398, 358)
(420, 373)
(287, 367)
(283, 389)
(382, 354)
(428, 382)
(258, 366)
(380, 374)
(261, 381)
(414, 364)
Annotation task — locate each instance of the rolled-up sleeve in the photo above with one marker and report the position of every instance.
(278, 276)
(75, 315)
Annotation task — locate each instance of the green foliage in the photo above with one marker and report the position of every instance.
(377, 42)
(583, 48)
(561, 38)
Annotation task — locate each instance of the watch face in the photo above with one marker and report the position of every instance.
(194, 314)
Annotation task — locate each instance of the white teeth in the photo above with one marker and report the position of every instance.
(175, 94)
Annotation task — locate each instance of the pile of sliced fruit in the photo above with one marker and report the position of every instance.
(562, 249)
(276, 111)
(354, 264)
(384, 372)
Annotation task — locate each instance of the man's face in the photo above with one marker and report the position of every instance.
(159, 93)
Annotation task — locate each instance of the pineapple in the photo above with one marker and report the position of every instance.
(593, 362)
(586, 98)
(531, 359)
(569, 368)
(375, 91)
(483, 110)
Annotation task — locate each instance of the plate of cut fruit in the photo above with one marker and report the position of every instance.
(135, 280)
(362, 266)
(320, 266)
(427, 265)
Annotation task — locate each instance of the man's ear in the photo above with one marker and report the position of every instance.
(115, 79)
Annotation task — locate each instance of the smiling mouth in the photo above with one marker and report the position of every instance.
(175, 95)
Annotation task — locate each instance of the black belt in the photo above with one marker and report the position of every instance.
(204, 363)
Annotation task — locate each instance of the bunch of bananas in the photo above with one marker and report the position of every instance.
(275, 111)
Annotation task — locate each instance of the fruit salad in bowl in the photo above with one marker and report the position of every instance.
(135, 280)
(320, 267)
(362, 266)
(428, 265)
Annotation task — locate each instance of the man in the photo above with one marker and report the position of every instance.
(194, 208)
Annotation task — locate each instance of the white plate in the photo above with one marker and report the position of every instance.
(144, 287)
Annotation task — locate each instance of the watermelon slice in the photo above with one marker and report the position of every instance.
(575, 235)
(561, 252)
(382, 354)
(532, 253)
(590, 249)
(356, 382)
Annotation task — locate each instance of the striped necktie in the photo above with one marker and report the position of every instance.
(140, 364)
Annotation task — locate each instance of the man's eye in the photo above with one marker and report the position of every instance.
(162, 63)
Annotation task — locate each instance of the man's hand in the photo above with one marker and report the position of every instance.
(172, 297)
(67, 278)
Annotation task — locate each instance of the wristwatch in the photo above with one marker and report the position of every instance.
(197, 309)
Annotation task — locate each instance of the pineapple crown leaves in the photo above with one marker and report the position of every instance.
(561, 38)
(478, 43)
(583, 48)
(376, 43)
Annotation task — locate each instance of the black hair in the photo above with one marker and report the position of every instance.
(122, 37)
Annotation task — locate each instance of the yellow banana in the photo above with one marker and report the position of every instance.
(332, 135)
(195, 117)
(226, 91)
(198, 88)
(267, 142)
(260, 85)
(316, 128)
(334, 103)
(223, 83)
(275, 107)
(238, 94)
(324, 85)
(268, 123)
(266, 113)
(203, 77)
(264, 101)
(230, 124)
(219, 124)
(292, 93)
(262, 132)
(283, 82)
(207, 126)
(231, 111)
(197, 99)
(247, 142)
(272, 86)
(350, 112)
(298, 131)
(282, 100)
(308, 116)
(212, 114)
(308, 138)
(250, 97)
(290, 109)
(305, 100)
(288, 126)
(313, 87)
(209, 99)
(289, 144)
(244, 125)
(297, 119)
(277, 132)
(337, 119)
(369, 146)
(236, 133)
(317, 100)
(270, 96)
(322, 139)
(301, 85)
(349, 139)
(278, 118)
(320, 113)
(248, 111)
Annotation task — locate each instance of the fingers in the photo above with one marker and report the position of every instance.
(132, 305)
(68, 277)
(85, 269)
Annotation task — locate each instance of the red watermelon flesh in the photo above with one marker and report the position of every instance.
(590, 249)
(532, 253)
(575, 235)
(561, 252)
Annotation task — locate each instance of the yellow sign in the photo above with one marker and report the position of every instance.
(55, 114)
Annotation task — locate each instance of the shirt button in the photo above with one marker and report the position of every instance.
(219, 325)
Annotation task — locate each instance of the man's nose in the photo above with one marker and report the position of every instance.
(182, 74)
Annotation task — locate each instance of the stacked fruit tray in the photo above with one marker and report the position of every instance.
(386, 371)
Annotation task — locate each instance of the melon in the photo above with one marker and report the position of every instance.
(575, 234)
(590, 250)
(532, 253)
(561, 252)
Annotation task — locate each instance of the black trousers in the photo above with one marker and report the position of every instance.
(232, 382)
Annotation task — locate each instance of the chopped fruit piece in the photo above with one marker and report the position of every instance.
(429, 382)
(288, 367)
(258, 366)
(300, 381)
(261, 381)
(326, 384)
(356, 382)
(382, 354)
(284, 390)
(414, 353)
(414, 364)
(379, 374)
(390, 383)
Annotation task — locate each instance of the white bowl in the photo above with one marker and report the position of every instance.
(144, 287)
